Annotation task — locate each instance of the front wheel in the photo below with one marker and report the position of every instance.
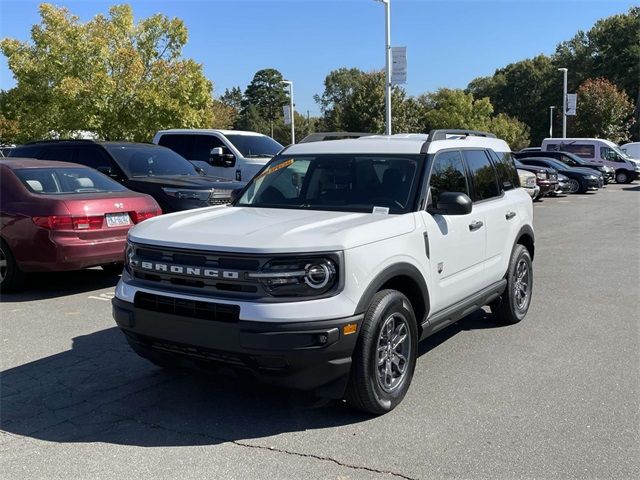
(513, 304)
(385, 355)
(574, 185)
(622, 176)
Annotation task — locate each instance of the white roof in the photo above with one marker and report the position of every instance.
(209, 130)
(568, 140)
(394, 144)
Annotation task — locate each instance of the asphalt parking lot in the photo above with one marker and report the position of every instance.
(557, 396)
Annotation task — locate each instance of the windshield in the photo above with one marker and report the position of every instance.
(253, 146)
(55, 181)
(150, 161)
(621, 152)
(347, 182)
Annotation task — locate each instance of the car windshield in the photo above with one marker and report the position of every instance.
(347, 182)
(557, 164)
(621, 152)
(254, 146)
(56, 181)
(150, 161)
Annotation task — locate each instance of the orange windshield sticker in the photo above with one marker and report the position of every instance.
(275, 168)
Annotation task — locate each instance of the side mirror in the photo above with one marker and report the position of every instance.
(217, 158)
(452, 203)
(234, 194)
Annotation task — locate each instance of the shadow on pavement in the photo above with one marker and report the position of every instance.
(41, 286)
(632, 189)
(100, 391)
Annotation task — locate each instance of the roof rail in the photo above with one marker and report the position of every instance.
(441, 134)
(84, 140)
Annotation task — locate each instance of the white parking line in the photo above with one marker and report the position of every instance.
(103, 296)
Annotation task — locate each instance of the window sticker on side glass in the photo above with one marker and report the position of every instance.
(275, 168)
(380, 210)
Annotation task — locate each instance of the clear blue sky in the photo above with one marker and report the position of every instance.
(448, 42)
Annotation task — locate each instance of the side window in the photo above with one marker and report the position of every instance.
(506, 168)
(181, 144)
(58, 154)
(448, 175)
(483, 175)
(92, 157)
(610, 154)
(202, 145)
(584, 151)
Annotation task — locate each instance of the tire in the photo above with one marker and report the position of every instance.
(574, 185)
(113, 268)
(583, 188)
(511, 307)
(622, 176)
(11, 277)
(378, 388)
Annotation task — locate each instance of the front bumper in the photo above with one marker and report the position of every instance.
(547, 186)
(313, 355)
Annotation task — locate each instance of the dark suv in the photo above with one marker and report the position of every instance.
(157, 171)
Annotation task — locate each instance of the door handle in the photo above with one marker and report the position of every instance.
(475, 226)
(509, 215)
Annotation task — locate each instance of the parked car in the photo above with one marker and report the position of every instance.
(528, 182)
(599, 151)
(572, 160)
(62, 216)
(631, 149)
(581, 180)
(529, 150)
(230, 154)
(325, 136)
(333, 263)
(564, 185)
(174, 182)
(546, 178)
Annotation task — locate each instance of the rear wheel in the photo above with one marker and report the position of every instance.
(574, 185)
(11, 277)
(513, 304)
(113, 268)
(385, 355)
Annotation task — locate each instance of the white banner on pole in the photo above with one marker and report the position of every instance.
(286, 110)
(572, 103)
(398, 65)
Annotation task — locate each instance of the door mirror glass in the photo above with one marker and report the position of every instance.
(219, 158)
(452, 203)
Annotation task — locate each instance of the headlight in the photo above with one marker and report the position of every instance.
(531, 182)
(298, 277)
(592, 177)
(188, 194)
(638, 169)
(129, 253)
(541, 175)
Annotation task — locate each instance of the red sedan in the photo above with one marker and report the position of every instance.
(62, 216)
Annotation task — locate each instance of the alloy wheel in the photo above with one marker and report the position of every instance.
(394, 352)
(574, 185)
(521, 285)
(621, 177)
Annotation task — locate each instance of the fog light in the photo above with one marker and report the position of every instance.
(322, 338)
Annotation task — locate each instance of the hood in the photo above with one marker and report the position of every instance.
(190, 182)
(268, 230)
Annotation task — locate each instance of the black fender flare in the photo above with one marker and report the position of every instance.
(396, 270)
(526, 230)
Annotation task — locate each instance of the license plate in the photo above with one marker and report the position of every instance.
(118, 219)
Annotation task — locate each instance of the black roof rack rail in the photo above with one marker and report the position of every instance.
(83, 140)
(441, 134)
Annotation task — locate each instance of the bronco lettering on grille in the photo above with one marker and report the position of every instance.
(189, 271)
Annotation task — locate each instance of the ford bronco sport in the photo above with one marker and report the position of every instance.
(333, 262)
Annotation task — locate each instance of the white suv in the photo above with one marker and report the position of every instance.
(333, 262)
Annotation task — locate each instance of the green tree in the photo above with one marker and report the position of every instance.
(604, 111)
(251, 120)
(233, 98)
(110, 75)
(267, 94)
(339, 86)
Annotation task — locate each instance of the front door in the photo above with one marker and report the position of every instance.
(456, 243)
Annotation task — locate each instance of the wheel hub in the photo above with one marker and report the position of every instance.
(521, 285)
(394, 351)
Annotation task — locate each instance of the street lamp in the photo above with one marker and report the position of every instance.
(564, 103)
(293, 128)
(387, 56)
(551, 120)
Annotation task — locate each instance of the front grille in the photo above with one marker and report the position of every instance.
(217, 312)
(227, 275)
(553, 176)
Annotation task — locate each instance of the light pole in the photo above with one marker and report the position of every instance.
(387, 56)
(293, 127)
(564, 103)
(551, 120)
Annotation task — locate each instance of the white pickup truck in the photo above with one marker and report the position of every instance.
(231, 154)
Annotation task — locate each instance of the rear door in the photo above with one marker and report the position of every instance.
(488, 202)
(455, 244)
